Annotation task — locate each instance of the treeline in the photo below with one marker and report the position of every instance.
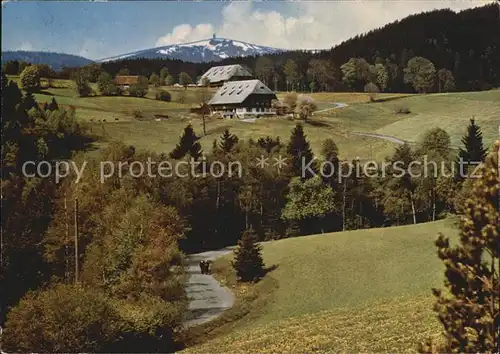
(96, 264)
(309, 194)
(461, 45)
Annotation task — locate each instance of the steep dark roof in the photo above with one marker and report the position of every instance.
(238, 91)
(224, 73)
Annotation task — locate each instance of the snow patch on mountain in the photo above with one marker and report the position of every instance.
(213, 49)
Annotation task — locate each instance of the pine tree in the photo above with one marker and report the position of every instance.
(188, 144)
(29, 101)
(53, 106)
(248, 261)
(469, 309)
(227, 141)
(473, 150)
(300, 151)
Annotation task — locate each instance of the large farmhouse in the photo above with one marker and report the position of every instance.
(243, 99)
(218, 75)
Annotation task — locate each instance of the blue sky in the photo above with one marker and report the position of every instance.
(101, 29)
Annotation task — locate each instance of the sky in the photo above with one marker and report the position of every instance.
(99, 29)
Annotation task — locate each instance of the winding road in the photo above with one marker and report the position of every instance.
(207, 298)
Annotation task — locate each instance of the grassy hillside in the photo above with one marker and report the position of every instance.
(363, 290)
(116, 118)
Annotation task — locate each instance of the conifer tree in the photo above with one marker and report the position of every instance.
(188, 144)
(469, 309)
(300, 151)
(29, 101)
(227, 141)
(248, 261)
(53, 106)
(473, 150)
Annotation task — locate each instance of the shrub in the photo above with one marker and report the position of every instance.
(66, 318)
(402, 109)
(372, 90)
(137, 113)
(141, 88)
(30, 79)
(163, 96)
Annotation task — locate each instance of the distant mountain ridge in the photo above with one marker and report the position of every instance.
(55, 60)
(207, 50)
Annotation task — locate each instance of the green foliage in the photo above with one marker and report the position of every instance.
(227, 141)
(140, 89)
(53, 106)
(473, 150)
(188, 144)
(163, 76)
(300, 151)
(106, 85)
(269, 144)
(372, 89)
(308, 199)
(185, 79)
(292, 74)
(169, 80)
(469, 307)
(30, 79)
(264, 69)
(381, 76)
(446, 80)
(65, 318)
(123, 72)
(356, 72)
(436, 141)
(290, 101)
(321, 72)
(82, 83)
(248, 261)
(305, 107)
(154, 80)
(163, 95)
(421, 74)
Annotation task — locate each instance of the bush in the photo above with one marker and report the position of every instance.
(163, 96)
(371, 89)
(30, 79)
(141, 88)
(137, 113)
(402, 109)
(66, 318)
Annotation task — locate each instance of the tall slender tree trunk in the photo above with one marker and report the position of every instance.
(343, 205)
(204, 124)
(413, 209)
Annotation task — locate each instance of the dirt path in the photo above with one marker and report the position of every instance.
(207, 298)
(335, 106)
(381, 136)
(392, 139)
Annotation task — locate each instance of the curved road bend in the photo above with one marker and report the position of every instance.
(207, 298)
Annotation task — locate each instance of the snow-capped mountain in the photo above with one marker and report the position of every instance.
(214, 49)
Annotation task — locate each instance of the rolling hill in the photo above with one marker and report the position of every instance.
(355, 291)
(55, 60)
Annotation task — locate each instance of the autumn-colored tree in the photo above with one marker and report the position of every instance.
(469, 307)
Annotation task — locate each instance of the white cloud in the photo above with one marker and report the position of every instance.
(26, 46)
(185, 33)
(306, 25)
